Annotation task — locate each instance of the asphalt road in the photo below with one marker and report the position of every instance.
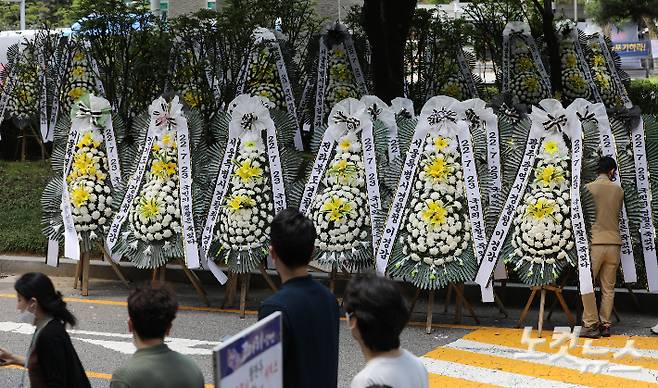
(103, 343)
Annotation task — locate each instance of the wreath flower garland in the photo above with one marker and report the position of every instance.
(77, 203)
(428, 238)
(252, 176)
(342, 195)
(155, 219)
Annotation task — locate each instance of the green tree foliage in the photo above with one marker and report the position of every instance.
(614, 11)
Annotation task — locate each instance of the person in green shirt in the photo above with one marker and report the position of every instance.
(151, 311)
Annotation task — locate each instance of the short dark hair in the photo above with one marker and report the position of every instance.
(292, 236)
(606, 164)
(152, 308)
(380, 310)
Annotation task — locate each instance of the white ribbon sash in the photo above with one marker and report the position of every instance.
(6, 93)
(71, 242)
(513, 199)
(319, 166)
(132, 190)
(372, 181)
(44, 125)
(609, 148)
(320, 88)
(400, 199)
(577, 219)
(221, 185)
(475, 212)
(185, 193)
(647, 235)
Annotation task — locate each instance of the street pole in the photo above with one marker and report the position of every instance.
(22, 14)
(575, 11)
(155, 7)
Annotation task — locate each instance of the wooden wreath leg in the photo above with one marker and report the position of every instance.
(460, 290)
(196, 283)
(231, 286)
(459, 304)
(78, 274)
(332, 281)
(162, 274)
(430, 304)
(560, 298)
(636, 302)
(501, 306)
(85, 273)
(154, 274)
(268, 278)
(542, 301)
(448, 297)
(413, 302)
(527, 306)
(244, 280)
(115, 267)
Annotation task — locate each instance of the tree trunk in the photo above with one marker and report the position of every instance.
(386, 24)
(651, 25)
(552, 46)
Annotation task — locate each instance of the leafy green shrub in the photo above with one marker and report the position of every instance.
(644, 93)
(20, 206)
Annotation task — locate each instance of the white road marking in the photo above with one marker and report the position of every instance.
(123, 344)
(490, 376)
(570, 362)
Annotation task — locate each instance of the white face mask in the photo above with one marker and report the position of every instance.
(26, 316)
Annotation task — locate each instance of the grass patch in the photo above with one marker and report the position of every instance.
(21, 185)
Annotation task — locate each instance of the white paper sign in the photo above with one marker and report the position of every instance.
(251, 358)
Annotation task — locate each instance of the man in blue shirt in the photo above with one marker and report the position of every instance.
(309, 311)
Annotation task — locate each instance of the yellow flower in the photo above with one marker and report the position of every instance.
(602, 80)
(100, 176)
(337, 208)
(434, 213)
(531, 83)
(524, 64)
(156, 147)
(339, 52)
(192, 98)
(570, 60)
(542, 208)
(79, 56)
(149, 208)
(247, 172)
(168, 140)
(548, 175)
(344, 144)
(240, 202)
(599, 60)
(438, 169)
(343, 169)
(79, 196)
(78, 72)
(452, 89)
(551, 147)
(576, 81)
(441, 143)
(162, 169)
(23, 96)
(76, 93)
(83, 164)
(87, 141)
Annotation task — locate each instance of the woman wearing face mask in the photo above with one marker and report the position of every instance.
(51, 360)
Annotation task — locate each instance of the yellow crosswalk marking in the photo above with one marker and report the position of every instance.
(533, 369)
(512, 338)
(447, 381)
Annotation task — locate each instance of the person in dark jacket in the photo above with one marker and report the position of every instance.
(309, 311)
(51, 361)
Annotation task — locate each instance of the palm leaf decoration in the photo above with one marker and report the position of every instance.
(88, 176)
(151, 234)
(248, 253)
(23, 102)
